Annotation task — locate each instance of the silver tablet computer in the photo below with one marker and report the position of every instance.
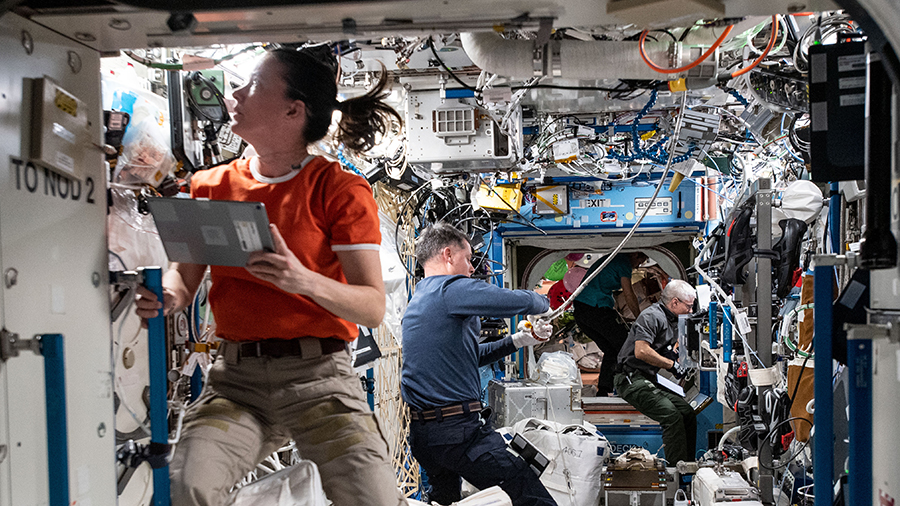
(211, 232)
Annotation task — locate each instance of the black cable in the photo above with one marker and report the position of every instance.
(438, 58)
(685, 33)
(670, 34)
(528, 223)
(799, 377)
(192, 80)
(798, 452)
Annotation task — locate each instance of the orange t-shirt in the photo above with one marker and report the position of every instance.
(320, 210)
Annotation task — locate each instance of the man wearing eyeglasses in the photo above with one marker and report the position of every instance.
(649, 348)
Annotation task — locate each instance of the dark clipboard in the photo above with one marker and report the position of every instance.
(211, 232)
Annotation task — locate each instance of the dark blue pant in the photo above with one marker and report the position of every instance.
(460, 446)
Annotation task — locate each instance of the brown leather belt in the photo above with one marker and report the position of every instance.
(277, 348)
(439, 414)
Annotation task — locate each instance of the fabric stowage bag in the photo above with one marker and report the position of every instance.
(577, 454)
(298, 485)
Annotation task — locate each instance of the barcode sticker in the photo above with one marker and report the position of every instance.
(248, 235)
(743, 323)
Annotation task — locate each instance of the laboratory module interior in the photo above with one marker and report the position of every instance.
(749, 148)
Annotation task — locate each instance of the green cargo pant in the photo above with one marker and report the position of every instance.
(250, 407)
(674, 414)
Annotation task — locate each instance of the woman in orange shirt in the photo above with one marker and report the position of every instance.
(283, 371)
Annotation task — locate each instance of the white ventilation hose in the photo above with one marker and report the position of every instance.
(569, 59)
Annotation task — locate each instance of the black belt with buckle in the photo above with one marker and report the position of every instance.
(277, 348)
(439, 414)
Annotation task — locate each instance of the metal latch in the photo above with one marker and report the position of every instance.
(11, 345)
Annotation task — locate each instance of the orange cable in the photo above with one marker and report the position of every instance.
(689, 66)
(765, 53)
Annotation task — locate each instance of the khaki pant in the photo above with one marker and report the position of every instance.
(251, 406)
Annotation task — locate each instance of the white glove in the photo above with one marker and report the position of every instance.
(537, 329)
(541, 327)
(524, 338)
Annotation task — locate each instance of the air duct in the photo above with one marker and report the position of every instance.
(575, 59)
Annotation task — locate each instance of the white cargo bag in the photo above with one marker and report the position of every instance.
(298, 485)
(577, 454)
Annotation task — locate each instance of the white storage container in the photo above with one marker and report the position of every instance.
(709, 488)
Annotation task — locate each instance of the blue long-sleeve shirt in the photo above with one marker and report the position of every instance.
(441, 354)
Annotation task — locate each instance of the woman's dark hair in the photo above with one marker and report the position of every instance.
(312, 81)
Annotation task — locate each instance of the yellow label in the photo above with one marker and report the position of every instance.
(648, 135)
(66, 103)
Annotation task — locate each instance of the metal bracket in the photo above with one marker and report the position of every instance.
(849, 259)
(11, 345)
(125, 284)
(871, 331)
(541, 48)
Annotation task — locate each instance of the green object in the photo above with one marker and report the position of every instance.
(557, 270)
(719, 163)
(203, 95)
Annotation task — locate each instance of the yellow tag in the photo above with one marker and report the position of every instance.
(65, 103)
(678, 85)
(647, 135)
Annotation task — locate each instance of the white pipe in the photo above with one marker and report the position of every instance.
(577, 59)
(731, 432)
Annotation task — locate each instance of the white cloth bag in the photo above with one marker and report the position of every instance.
(298, 485)
(577, 454)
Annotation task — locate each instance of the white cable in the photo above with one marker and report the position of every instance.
(182, 409)
(732, 431)
(565, 305)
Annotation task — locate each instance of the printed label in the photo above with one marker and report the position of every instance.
(497, 95)
(596, 203)
(851, 62)
(63, 133)
(65, 162)
(661, 207)
(248, 235)
(846, 83)
(743, 323)
(65, 103)
(854, 99)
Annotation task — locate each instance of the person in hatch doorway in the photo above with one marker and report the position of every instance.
(440, 380)
(283, 370)
(596, 315)
(649, 348)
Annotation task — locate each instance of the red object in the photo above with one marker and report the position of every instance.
(786, 440)
(798, 277)
(743, 370)
(558, 294)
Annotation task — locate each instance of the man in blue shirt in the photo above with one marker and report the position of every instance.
(440, 379)
(596, 315)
